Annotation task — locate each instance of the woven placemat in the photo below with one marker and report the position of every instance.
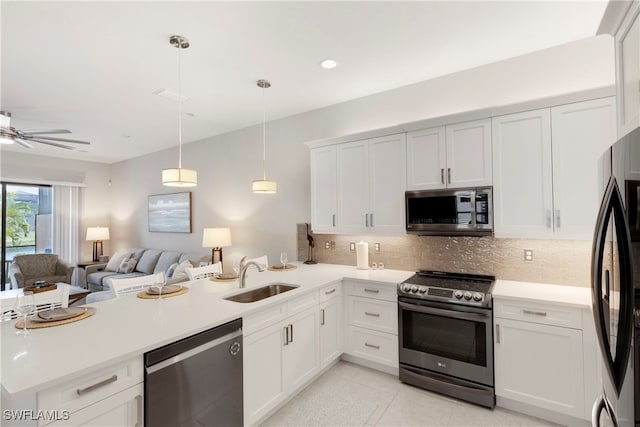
(37, 325)
(145, 295)
(288, 267)
(222, 279)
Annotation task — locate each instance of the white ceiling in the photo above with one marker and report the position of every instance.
(92, 67)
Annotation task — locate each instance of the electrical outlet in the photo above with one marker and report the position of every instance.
(352, 246)
(528, 255)
(327, 245)
(376, 247)
(333, 244)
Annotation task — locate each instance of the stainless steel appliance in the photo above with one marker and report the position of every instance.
(445, 334)
(615, 278)
(197, 380)
(462, 211)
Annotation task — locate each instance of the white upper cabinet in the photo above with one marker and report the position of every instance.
(627, 40)
(545, 166)
(522, 180)
(581, 132)
(323, 189)
(452, 156)
(469, 154)
(426, 159)
(358, 187)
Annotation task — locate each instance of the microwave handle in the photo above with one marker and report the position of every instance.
(473, 208)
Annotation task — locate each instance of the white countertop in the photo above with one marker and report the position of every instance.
(129, 326)
(576, 296)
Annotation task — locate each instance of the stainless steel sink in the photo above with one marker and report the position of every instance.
(258, 294)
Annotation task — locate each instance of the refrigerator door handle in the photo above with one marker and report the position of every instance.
(602, 404)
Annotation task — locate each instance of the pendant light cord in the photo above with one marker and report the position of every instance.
(179, 106)
(264, 137)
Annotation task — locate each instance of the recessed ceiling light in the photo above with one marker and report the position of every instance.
(329, 64)
(169, 95)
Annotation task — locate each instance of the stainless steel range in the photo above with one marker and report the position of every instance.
(445, 335)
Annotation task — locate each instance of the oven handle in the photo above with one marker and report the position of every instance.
(446, 313)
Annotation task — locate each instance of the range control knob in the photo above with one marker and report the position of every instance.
(467, 296)
(458, 294)
(477, 297)
(406, 288)
(414, 289)
(422, 290)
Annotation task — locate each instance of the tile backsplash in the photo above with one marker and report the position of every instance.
(563, 262)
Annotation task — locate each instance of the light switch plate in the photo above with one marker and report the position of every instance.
(352, 246)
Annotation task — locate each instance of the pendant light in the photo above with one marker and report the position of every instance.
(264, 186)
(179, 177)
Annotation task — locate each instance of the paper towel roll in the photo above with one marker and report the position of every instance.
(362, 256)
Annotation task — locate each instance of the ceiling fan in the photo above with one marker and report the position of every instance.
(9, 135)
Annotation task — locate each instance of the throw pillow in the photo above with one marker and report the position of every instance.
(180, 272)
(171, 270)
(127, 265)
(116, 260)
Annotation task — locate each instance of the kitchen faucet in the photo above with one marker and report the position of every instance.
(243, 270)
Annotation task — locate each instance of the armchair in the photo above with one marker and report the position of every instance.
(27, 269)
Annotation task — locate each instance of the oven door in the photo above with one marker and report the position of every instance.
(445, 338)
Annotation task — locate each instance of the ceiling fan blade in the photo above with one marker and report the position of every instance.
(52, 144)
(23, 143)
(43, 131)
(74, 141)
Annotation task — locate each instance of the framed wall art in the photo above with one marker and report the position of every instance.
(170, 213)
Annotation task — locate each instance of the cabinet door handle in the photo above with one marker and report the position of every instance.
(497, 333)
(286, 335)
(557, 218)
(372, 291)
(366, 220)
(92, 387)
(535, 313)
(449, 175)
(330, 292)
(442, 176)
(376, 347)
(371, 220)
(291, 332)
(140, 411)
(322, 317)
(548, 218)
(334, 220)
(366, 313)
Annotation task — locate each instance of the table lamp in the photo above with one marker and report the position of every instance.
(216, 238)
(97, 234)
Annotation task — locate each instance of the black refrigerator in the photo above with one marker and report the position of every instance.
(615, 280)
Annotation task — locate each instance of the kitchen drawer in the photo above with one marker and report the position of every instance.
(535, 312)
(262, 319)
(373, 314)
(302, 303)
(373, 290)
(81, 392)
(329, 292)
(373, 345)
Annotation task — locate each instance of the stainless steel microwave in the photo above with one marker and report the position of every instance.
(460, 211)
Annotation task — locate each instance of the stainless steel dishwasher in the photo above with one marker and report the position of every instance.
(196, 381)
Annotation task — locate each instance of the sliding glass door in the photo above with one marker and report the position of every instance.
(26, 223)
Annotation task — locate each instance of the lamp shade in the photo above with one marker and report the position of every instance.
(216, 237)
(98, 233)
(264, 186)
(179, 177)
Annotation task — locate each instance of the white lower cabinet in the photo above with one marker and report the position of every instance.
(331, 326)
(372, 330)
(278, 359)
(122, 409)
(544, 359)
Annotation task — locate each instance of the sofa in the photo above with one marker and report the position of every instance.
(141, 262)
(27, 269)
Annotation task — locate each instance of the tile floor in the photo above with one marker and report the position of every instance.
(352, 395)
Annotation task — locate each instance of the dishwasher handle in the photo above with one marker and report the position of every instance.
(194, 343)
